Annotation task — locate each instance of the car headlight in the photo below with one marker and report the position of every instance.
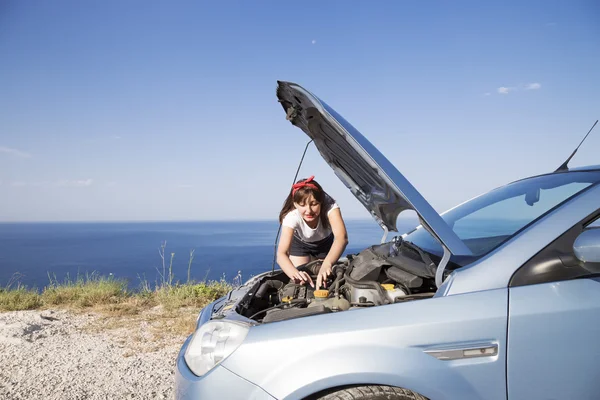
(212, 343)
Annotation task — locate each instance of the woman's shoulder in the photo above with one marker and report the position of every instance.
(291, 219)
(293, 212)
(330, 203)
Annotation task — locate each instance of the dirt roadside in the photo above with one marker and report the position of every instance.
(57, 354)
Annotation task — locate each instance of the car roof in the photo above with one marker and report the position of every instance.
(586, 168)
(577, 169)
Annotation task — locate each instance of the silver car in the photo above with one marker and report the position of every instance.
(497, 298)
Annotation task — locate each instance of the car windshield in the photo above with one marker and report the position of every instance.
(489, 220)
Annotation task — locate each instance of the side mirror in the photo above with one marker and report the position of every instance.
(587, 249)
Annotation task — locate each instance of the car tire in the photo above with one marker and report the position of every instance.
(372, 393)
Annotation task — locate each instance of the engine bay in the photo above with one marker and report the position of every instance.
(383, 274)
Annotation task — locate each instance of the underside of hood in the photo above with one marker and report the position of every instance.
(369, 175)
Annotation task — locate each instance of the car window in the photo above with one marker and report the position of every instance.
(594, 224)
(507, 216)
(489, 220)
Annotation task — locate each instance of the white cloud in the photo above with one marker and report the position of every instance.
(185, 186)
(314, 41)
(14, 152)
(86, 182)
(76, 183)
(117, 137)
(533, 86)
(61, 183)
(487, 94)
(508, 89)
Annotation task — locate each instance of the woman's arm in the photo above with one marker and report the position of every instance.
(340, 240)
(283, 258)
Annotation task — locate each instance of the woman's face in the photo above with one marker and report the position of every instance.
(310, 209)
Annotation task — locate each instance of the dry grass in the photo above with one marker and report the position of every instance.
(149, 330)
(19, 299)
(190, 295)
(167, 309)
(90, 291)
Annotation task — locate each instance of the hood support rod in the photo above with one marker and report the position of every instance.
(385, 233)
(279, 230)
(439, 272)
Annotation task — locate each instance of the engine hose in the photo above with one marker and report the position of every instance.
(338, 282)
(369, 285)
(338, 270)
(262, 290)
(313, 267)
(293, 303)
(339, 279)
(404, 287)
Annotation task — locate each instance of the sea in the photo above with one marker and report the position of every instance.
(35, 254)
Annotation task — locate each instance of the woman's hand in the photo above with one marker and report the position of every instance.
(324, 272)
(302, 277)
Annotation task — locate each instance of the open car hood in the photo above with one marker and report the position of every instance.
(371, 177)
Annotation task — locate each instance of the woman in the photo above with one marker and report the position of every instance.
(312, 228)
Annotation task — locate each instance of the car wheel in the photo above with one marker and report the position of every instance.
(372, 393)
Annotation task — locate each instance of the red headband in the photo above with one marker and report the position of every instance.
(305, 183)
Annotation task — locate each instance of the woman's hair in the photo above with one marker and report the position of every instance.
(300, 195)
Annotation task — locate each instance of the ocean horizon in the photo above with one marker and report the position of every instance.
(34, 253)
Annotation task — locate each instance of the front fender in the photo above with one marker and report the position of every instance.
(412, 370)
(382, 345)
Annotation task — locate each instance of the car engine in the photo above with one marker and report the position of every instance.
(383, 274)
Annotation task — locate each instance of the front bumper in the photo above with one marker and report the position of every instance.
(218, 383)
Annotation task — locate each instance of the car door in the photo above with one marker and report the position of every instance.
(553, 349)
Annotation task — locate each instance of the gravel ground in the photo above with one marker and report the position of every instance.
(61, 355)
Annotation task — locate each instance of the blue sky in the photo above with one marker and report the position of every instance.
(130, 111)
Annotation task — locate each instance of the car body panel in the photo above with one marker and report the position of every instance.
(382, 345)
(215, 384)
(369, 175)
(554, 346)
(586, 168)
(495, 270)
(534, 340)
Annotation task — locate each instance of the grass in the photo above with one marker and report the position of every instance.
(172, 305)
(19, 299)
(107, 293)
